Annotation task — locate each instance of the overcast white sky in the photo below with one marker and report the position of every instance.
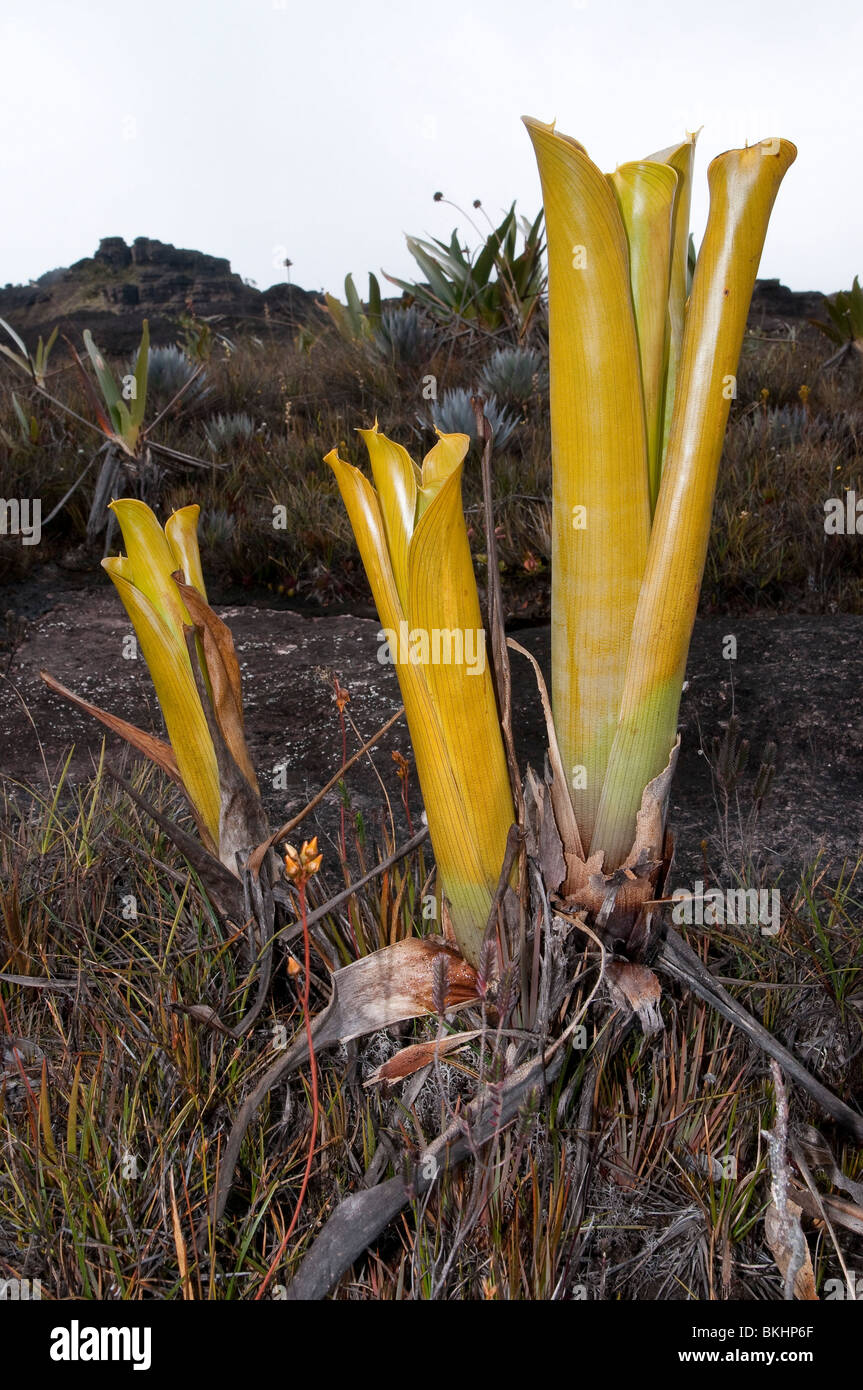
(256, 129)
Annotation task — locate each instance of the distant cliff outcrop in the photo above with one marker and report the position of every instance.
(113, 291)
(772, 300)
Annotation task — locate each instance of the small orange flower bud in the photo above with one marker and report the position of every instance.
(303, 866)
(311, 857)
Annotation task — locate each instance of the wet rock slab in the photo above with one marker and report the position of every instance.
(797, 681)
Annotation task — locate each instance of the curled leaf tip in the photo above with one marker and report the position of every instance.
(533, 123)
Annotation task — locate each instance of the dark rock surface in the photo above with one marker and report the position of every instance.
(113, 252)
(796, 682)
(114, 290)
(773, 302)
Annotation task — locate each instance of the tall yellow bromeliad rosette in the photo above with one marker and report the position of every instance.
(641, 382)
(413, 541)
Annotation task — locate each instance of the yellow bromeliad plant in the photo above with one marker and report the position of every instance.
(161, 584)
(642, 380)
(412, 538)
(642, 374)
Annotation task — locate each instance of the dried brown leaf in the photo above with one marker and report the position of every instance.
(223, 670)
(153, 748)
(412, 1059)
(636, 990)
(543, 840)
(394, 984)
(561, 800)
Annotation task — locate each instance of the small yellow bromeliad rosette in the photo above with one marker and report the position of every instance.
(413, 541)
(142, 578)
(161, 584)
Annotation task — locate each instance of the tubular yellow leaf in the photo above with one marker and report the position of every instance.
(443, 604)
(438, 464)
(169, 667)
(743, 186)
(367, 522)
(461, 869)
(681, 158)
(646, 195)
(150, 560)
(181, 532)
(396, 483)
(601, 506)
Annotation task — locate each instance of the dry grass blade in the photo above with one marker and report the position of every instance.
(680, 960)
(180, 1245)
(843, 1213)
(257, 859)
(563, 812)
